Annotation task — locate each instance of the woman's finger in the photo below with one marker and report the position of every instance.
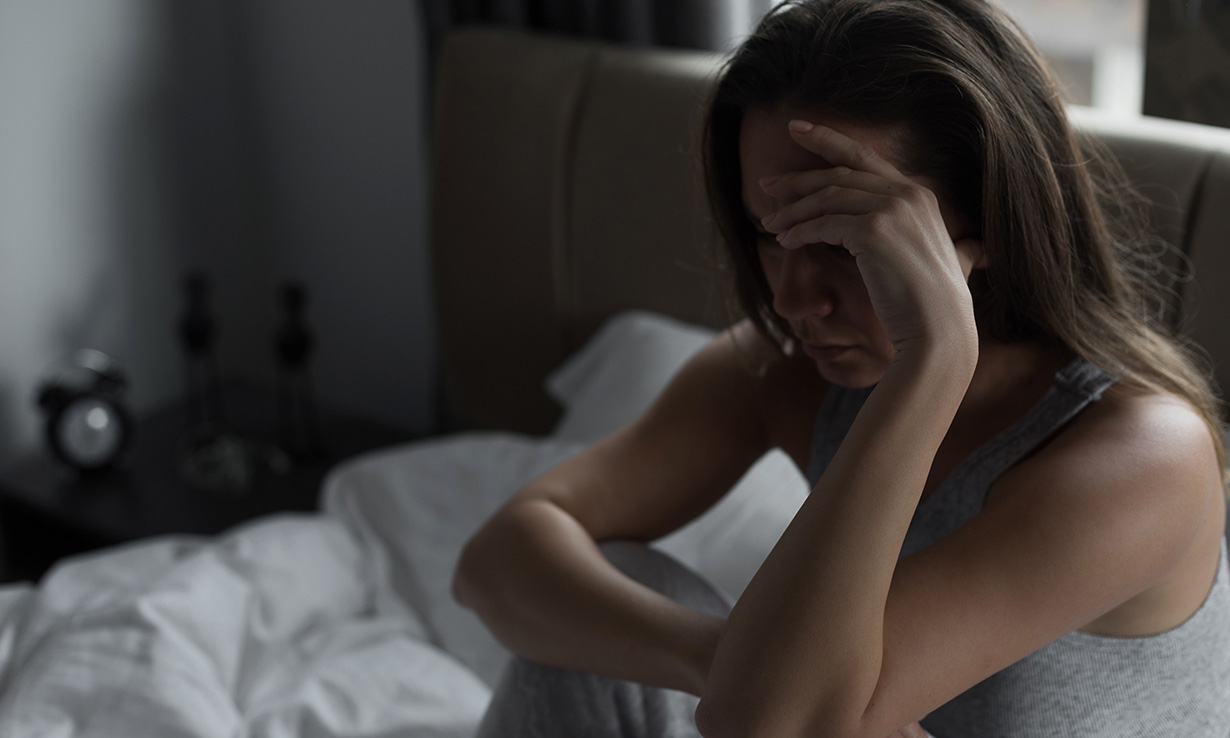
(792, 185)
(838, 229)
(841, 150)
(830, 200)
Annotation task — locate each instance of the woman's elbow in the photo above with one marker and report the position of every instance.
(709, 720)
(494, 565)
(735, 716)
(472, 576)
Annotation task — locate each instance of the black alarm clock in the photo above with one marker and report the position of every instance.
(88, 426)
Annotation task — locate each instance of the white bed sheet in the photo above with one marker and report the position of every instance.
(266, 632)
(339, 624)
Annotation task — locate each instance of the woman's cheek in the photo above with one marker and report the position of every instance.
(770, 260)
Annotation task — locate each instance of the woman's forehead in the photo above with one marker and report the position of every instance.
(765, 141)
(767, 148)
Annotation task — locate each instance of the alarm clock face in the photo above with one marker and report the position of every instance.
(89, 432)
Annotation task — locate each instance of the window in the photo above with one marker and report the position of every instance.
(1096, 47)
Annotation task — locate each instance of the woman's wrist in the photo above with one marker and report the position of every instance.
(944, 359)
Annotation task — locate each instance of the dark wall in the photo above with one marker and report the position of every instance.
(259, 140)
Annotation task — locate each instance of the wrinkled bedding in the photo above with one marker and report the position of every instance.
(331, 624)
(268, 631)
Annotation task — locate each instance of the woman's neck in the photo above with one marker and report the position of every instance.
(1009, 379)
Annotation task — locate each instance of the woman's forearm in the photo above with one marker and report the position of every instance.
(809, 626)
(540, 583)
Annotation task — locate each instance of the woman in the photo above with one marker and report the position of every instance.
(1016, 523)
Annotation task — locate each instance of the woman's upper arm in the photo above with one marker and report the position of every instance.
(1096, 518)
(677, 459)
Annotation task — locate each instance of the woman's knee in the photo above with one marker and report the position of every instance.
(666, 576)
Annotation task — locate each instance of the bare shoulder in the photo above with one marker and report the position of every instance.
(1153, 436)
(1135, 479)
(742, 360)
(743, 345)
(786, 389)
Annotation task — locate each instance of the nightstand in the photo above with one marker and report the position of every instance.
(48, 511)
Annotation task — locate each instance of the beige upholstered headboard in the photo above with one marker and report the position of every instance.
(565, 190)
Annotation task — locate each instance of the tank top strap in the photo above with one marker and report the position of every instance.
(1075, 385)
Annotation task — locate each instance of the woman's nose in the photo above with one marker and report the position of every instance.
(804, 286)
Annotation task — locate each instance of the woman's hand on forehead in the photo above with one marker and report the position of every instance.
(914, 273)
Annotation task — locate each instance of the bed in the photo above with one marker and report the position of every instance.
(572, 277)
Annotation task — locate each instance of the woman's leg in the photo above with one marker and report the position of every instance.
(536, 701)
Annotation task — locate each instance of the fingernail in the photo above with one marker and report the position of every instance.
(769, 180)
(767, 221)
(801, 126)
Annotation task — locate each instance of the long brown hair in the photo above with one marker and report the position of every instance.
(982, 116)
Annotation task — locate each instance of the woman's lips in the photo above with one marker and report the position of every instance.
(826, 352)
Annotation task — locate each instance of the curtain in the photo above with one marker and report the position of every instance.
(716, 25)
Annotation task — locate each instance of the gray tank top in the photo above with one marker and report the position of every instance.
(1173, 684)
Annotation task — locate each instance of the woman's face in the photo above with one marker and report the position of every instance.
(817, 288)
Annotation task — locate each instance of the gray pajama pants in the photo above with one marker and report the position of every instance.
(536, 701)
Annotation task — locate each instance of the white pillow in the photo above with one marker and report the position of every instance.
(619, 372)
